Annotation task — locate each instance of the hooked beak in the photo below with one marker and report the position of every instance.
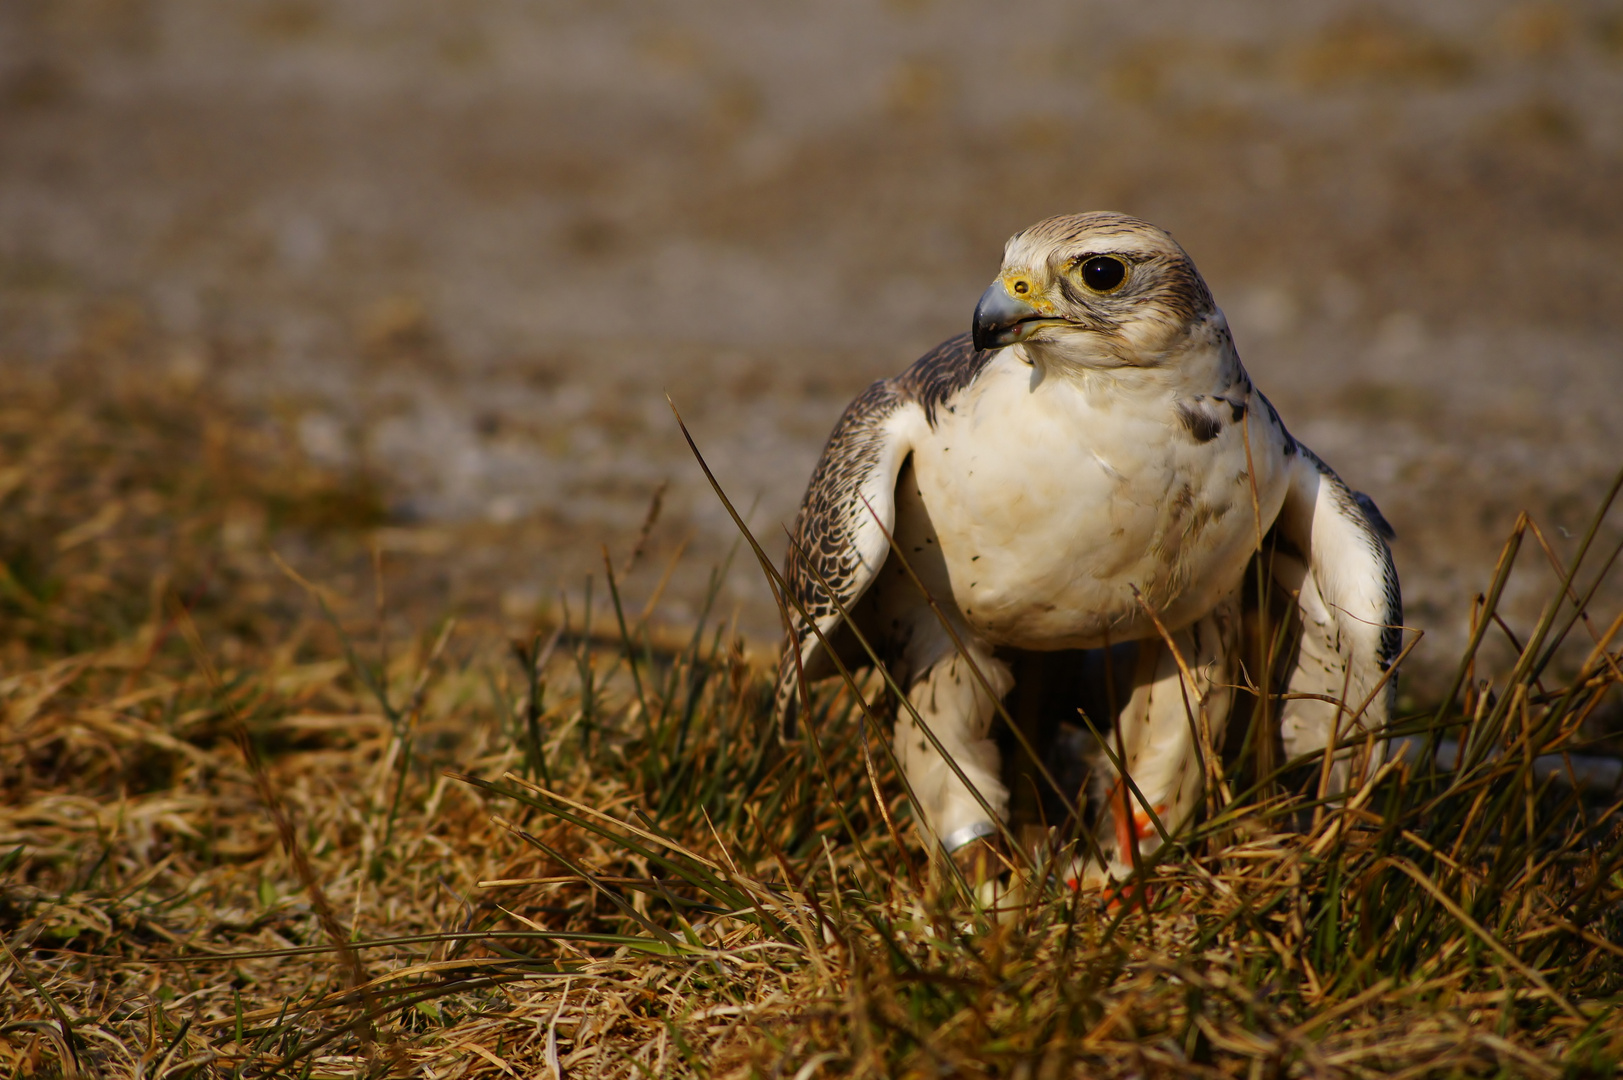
(1002, 320)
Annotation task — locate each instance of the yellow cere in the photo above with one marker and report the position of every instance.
(1025, 289)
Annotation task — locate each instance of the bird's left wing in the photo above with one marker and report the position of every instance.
(841, 536)
(1331, 554)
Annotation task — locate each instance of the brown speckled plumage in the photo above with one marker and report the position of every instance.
(821, 548)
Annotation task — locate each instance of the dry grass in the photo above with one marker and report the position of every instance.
(242, 831)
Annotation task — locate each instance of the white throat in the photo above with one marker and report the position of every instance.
(1200, 362)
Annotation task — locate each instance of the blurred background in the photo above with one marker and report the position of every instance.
(463, 251)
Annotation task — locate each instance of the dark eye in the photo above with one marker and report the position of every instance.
(1103, 273)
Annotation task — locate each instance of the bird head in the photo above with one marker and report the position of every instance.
(1094, 290)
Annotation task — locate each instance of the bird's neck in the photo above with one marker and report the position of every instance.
(1201, 361)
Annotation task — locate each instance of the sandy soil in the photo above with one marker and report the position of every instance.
(470, 248)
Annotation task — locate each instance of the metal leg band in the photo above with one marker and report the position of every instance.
(967, 835)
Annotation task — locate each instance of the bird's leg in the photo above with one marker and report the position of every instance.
(1164, 729)
(958, 710)
(1130, 827)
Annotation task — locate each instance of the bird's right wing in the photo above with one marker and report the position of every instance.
(841, 536)
(1331, 554)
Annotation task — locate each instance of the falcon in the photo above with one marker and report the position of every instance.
(1089, 466)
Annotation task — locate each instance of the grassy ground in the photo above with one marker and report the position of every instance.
(250, 826)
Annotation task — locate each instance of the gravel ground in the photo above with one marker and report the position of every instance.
(471, 248)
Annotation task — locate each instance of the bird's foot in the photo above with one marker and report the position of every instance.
(1114, 885)
(990, 873)
(982, 859)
